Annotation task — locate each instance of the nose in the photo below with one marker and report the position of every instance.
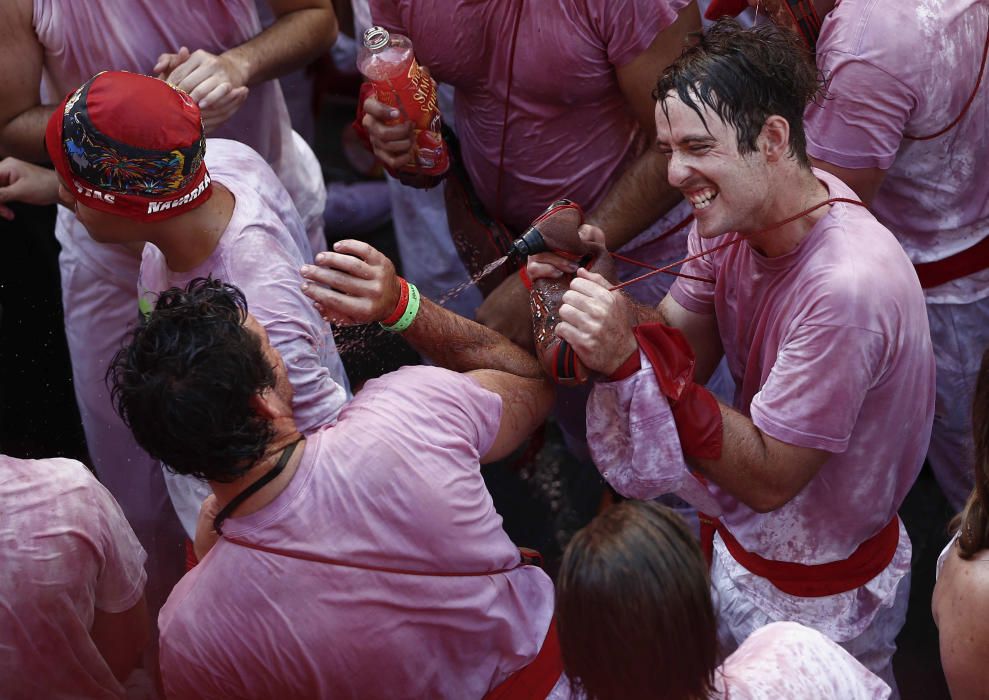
(677, 171)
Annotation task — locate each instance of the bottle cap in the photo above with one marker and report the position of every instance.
(376, 38)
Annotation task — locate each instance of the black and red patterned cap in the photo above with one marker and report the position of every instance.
(130, 145)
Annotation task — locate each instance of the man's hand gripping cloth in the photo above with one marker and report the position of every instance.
(633, 439)
(558, 226)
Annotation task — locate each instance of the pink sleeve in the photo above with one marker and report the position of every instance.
(628, 27)
(121, 577)
(861, 121)
(816, 387)
(694, 295)
(385, 13)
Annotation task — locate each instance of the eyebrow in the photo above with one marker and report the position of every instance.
(690, 138)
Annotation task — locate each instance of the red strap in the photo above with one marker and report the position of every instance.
(810, 580)
(535, 681)
(961, 264)
(695, 410)
(524, 276)
(629, 367)
(401, 306)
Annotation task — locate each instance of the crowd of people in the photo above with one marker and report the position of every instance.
(775, 309)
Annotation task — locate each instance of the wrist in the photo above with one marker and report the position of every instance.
(238, 67)
(401, 303)
(626, 369)
(406, 310)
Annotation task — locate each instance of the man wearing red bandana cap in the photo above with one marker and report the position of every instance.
(904, 126)
(69, 42)
(132, 163)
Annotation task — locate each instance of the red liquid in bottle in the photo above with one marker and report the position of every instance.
(387, 60)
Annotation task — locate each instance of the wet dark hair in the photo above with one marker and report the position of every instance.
(745, 76)
(972, 524)
(184, 380)
(633, 607)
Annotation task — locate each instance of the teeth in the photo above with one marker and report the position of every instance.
(702, 199)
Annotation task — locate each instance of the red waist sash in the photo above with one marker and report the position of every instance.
(810, 580)
(535, 681)
(961, 264)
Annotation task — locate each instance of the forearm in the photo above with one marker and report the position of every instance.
(758, 470)
(293, 41)
(636, 200)
(462, 345)
(24, 136)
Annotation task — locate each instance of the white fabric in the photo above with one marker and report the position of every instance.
(870, 637)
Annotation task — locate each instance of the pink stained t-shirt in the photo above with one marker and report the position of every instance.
(66, 550)
(570, 131)
(830, 349)
(907, 67)
(259, 253)
(787, 660)
(395, 483)
(83, 37)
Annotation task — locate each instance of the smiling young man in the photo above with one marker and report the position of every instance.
(822, 321)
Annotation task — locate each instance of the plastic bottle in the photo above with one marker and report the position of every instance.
(387, 60)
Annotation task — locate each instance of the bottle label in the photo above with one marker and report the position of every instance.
(414, 94)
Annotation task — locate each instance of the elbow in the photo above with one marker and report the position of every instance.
(327, 30)
(770, 498)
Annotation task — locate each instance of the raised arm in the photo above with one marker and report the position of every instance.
(303, 30)
(22, 116)
(642, 194)
(525, 403)
(355, 283)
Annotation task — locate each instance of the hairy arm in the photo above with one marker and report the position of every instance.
(355, 283)
(122, 637)
(525, 403)
(302, 31)
(642, 194)
(22, 117)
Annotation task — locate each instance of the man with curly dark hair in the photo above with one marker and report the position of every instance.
(364, 559)
(822, 322)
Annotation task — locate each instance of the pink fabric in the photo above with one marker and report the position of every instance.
(907, 68)
(259, 252)
(787, 660)
(823, 343)
(66, 552)
(394, 483)
(81, 38)
(570, 132)
(98, 281)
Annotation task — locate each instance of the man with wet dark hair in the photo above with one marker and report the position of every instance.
(822, 322)
(364, 559)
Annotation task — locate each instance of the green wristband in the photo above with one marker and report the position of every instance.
(411, 310)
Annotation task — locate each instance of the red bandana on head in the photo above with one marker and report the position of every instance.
(130, 145)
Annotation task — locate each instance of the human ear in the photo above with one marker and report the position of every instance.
(266, 403)
(774, 139)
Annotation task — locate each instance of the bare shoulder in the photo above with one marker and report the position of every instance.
(960, 606)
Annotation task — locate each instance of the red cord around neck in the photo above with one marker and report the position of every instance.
(668, 269)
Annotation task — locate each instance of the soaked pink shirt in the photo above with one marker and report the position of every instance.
(65, 551)
(83, 38)
(829, 348)
(787, 660)
(824, 344)
(395, 483)
(259, 253)
(570, 131)
(901, 68)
